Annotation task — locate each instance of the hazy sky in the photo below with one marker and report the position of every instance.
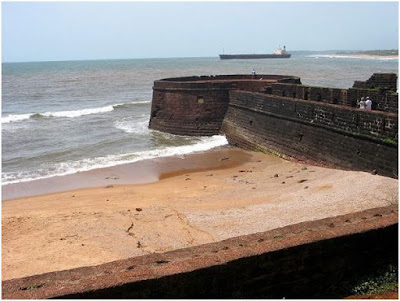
(41, 31)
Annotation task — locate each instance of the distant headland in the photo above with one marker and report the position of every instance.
(390, 52)
(384, 54)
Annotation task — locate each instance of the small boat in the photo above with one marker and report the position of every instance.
(279, 54)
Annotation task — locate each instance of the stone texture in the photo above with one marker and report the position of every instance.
(196, 106)
(314, 132)
(278, 114)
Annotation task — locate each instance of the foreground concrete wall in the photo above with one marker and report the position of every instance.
(316, 132)
(305, 260)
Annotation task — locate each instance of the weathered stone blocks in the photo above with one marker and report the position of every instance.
(319, 132)
(278, 114)
(196, 106)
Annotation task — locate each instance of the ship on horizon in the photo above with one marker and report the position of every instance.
(278, 54)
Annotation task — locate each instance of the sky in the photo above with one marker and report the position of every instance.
(55, 31)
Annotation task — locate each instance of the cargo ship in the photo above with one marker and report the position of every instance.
(279, 54)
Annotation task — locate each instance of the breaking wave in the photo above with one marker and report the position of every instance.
(69, 114)
(136, 126)
(71, 167)
(15, 118)
(349, 56)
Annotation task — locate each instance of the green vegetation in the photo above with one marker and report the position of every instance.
(266, 151)
(32, 287)
(389, 52)
(379, 281)
(390, 141)
(384, 280)
(357, 134)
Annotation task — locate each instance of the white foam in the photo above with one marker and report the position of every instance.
(68, 114)
(66, 168)
(138, 102)
(355, 56)
(15, 118)
(134, 126)
(78, 113)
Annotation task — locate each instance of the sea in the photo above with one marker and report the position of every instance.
(65, 117)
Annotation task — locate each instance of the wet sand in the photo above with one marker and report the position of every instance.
(211, 197)
(141, 172)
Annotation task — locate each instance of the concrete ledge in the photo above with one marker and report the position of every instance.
(300, 260)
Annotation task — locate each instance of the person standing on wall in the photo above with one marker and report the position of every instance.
(368, 104)
(362, 103)
(253, 73)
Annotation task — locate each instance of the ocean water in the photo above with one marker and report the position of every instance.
(60, 118)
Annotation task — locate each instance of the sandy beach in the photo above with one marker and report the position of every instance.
(367, 56)
(234, 193)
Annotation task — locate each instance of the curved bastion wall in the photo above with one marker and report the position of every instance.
(278, 114)
(196, 106)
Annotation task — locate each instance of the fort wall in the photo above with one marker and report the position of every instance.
(279, 114)
(328, 95)
(196, 106)
(383, 100)
(386, 81)
(328, 134)
(307, 260)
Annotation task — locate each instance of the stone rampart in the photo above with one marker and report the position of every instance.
(372, 123)
(196, 106)
(386, 81)
(307, 260)
(381, 88)
(328, 95)
(382, 100)
(314, 132)
(279, 114)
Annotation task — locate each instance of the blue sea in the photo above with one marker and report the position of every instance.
(61, 118)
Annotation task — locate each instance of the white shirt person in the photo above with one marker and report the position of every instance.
(362, 103)
(368, 104)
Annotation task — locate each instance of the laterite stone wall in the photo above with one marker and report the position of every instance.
(379, 80)
(196, 106)
(382, 99)
(328, 134)
(307, 260)
(277, 113)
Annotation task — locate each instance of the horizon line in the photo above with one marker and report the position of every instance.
(175, 57)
